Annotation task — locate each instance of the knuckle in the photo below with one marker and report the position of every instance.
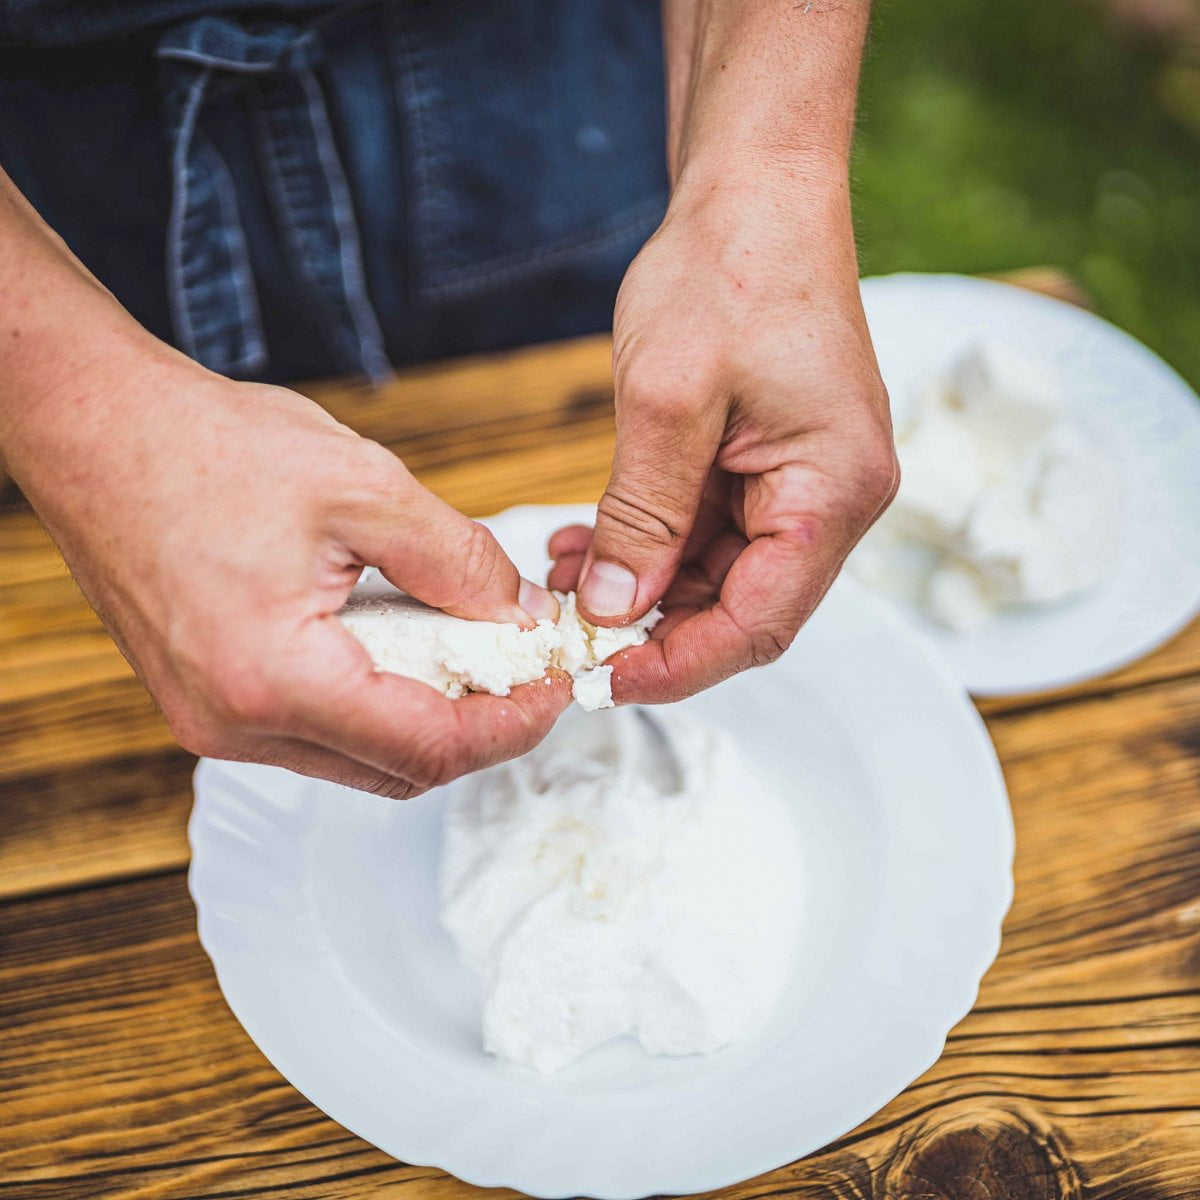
(766, 645)
(196, 734)
(481, 550)
(380, 462)
(434, 762)
(877, 473)
(527, 734)
(657, 397)
(379, 477)
(642, 516)
(882, 480)
(659, 387)
(246, 701)
(766, 639)
(479, 560)
(391, 788)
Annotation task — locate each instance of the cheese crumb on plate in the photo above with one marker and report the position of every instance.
(626, 877)
(1003, 501)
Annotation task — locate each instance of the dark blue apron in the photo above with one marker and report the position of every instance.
(325, 190)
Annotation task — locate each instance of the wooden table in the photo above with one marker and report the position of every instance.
(122, 1072)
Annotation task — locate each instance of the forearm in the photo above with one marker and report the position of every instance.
(761, 98)
(763, 84)
(68, 351)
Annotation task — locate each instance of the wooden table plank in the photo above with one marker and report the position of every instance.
(1178, 657)
(87, 824)
(128, 1076)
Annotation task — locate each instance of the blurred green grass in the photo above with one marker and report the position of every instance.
(1031, 132)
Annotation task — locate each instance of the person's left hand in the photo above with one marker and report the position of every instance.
(754, 443)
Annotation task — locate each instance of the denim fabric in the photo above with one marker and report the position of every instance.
(65, 23)
(384, 182)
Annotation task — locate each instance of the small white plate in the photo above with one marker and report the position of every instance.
(318, 907)
(1128, 401)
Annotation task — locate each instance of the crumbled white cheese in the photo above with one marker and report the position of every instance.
(1008, 400)
(626, 877)
(955, 595)
(457, 656)
(1010, 504)
(593, 689)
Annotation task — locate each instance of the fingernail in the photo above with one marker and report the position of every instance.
(608, 590)
(537, 602)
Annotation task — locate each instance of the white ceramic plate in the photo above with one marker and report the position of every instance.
(1131, 403)
(317, 906)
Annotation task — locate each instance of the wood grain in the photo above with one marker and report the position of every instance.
(85, 824)
(1050, 281)
(1077, 1074)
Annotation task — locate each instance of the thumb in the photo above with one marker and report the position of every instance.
(432, 551)
(646, 514)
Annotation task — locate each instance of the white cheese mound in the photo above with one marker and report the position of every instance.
(628, 876)
(1002, 501)
(457, 656)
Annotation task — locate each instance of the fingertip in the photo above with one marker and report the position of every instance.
(539, 701)
(695, 653)
(608, 593)
(504, 727)
(548, 696)
(537, 602)
(570, 539)
(637, 675)
(564, 574)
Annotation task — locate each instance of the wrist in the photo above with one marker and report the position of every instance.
(69, 398)
(67, 347)
(806, 186)
(788, 230)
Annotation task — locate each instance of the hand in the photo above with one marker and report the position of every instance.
(217, 527)
(754, 443)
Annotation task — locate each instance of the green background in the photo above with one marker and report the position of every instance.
(998, 134)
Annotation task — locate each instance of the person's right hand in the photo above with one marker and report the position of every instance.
(216, 527)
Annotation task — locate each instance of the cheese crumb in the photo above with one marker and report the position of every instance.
(458, 656)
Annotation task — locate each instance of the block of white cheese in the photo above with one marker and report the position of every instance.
(1007, 400)
(457, 656)
(942, 476)
(626, 877)
(1005, 501)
